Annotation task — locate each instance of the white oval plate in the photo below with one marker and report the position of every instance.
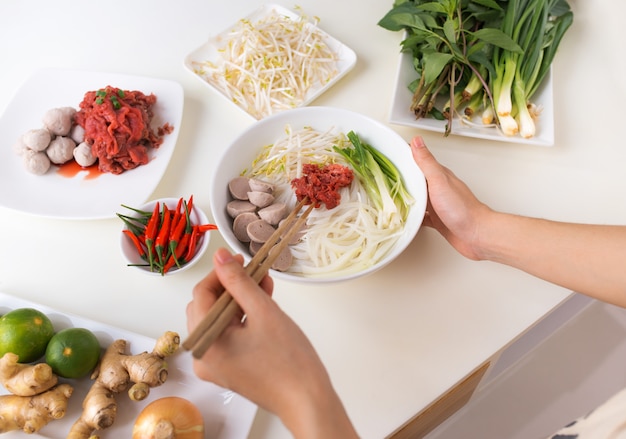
(80, 197)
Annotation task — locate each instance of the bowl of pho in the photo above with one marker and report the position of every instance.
(368, 195)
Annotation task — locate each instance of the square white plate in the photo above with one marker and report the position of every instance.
(209, 51)
(226, 414)
(401, 114)
(81, 197)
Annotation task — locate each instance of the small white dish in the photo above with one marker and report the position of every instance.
(245, 148)
(131, 254)
(81, 196)
(210, 52)
(401, 114)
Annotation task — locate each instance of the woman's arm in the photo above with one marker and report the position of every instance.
(588, 259)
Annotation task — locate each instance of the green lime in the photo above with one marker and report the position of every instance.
(26, 333)
(73, 352)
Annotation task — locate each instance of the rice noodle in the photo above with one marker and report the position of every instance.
(343, 240)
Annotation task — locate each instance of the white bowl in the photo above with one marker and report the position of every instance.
(130, 253)
(240, 154)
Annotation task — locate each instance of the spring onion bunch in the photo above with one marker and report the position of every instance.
(483, 57)
(381, 179)
(537, 26)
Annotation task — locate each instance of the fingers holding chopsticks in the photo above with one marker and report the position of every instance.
(205, 294)
(232, 275)
(228, 273)
(226, 308)
(238, 341)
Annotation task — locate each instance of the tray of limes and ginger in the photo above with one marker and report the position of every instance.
(61, 362)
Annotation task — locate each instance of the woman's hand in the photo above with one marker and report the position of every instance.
(266, 359)
(585, 258)
(452, 208)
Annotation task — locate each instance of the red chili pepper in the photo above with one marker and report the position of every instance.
(189, 205)
(179, 205)
(150, 234)
(162, 237)
(153, 223)
(176, 236)
(206, 227)
(176, 258)
(193, 241)
(136, 242)
(178, 213)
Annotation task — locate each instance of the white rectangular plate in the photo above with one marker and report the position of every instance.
(81, 197)
(401, 113)
(226, 415)
(209, 52)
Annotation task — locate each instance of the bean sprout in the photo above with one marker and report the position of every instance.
(272, 64)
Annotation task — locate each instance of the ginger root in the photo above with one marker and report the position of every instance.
(31, 413)
(25, 379)
(115, 372)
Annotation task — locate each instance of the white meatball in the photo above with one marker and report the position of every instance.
(37, 139)
(83, 155)
(19, 147)
(59, 121)
(77, 134)
(36, 162)
(61, 150)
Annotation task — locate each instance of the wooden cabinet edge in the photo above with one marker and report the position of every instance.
(440, 410)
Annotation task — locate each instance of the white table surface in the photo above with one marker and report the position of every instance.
(397, 340)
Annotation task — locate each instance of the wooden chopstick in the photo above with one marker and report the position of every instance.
(222, 302)
(257, 272)
(224, 309)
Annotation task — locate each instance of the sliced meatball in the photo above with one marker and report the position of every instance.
(284, 259)
(273, 213)
(261, 186)
(260, 230)
(297, 236)
(240, 226)
(260, 199)
(239, 188)
(254, 247)
(237, 207)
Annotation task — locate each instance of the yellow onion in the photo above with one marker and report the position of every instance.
(170, 417)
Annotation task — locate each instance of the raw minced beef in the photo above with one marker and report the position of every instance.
(117, 126)
(322, 183)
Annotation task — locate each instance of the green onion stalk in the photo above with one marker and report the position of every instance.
(381, 179)
(537, 26)
(474, 105)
